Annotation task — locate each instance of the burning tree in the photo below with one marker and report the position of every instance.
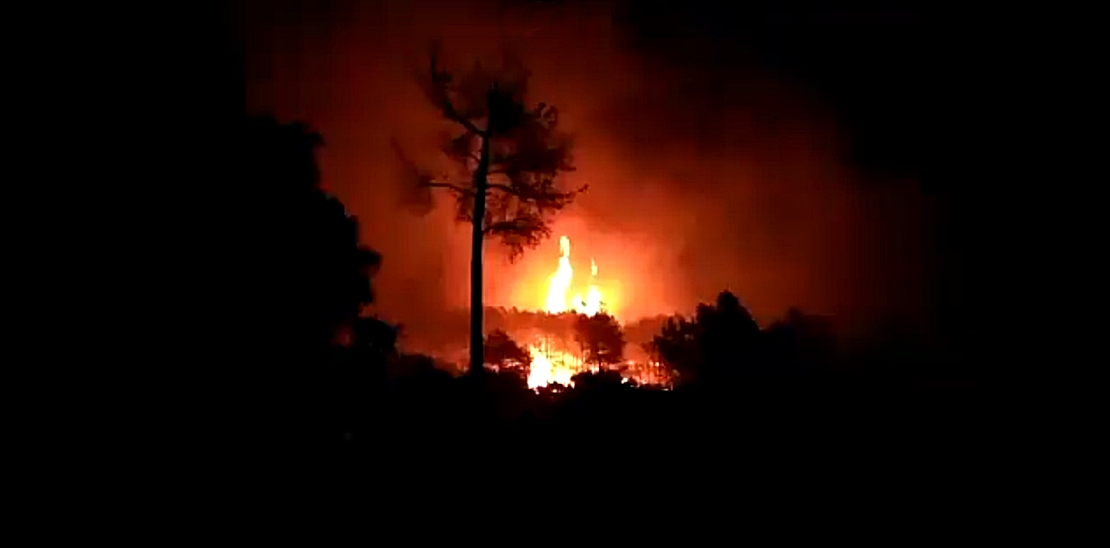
(601, 339)
(503, 352)
(508, 159)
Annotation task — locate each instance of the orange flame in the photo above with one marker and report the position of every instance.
(593, 297)
(560, 280)
(552, 365)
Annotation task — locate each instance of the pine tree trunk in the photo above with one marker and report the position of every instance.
(481, 175)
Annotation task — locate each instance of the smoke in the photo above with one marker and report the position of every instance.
(703, 175)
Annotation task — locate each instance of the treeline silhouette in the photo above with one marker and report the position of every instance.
(787, 395)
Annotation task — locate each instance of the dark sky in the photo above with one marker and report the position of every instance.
(870, 59)
(779, 149)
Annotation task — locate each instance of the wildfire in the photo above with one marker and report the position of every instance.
(550, 365)
(559, 285)
(560, 280)
(553, 364)
(592, 304)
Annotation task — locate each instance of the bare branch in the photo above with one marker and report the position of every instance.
(543, 197)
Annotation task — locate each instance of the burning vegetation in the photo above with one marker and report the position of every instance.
(572, 335)
(508, 163)
(509, 158)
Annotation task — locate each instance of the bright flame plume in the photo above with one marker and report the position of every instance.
(551, 365)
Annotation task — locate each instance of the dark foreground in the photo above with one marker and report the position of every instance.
(423, 431)
(423, 449)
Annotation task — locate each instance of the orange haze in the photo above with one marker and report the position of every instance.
(700, 180)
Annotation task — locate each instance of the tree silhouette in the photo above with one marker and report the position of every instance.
(508, 159)
(502, 351)
(320, 275)
(600, 381)
(715, 344)
(798, 343)
(729, 333)
(601, 339)
(678, 346)
(323, 272)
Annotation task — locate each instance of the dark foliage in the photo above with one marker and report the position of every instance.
(506, 355)
(799, 344)
(747, 400)
(719, 343)
(322, 277)
(601, 339)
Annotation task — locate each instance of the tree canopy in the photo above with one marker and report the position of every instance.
(512, 150)
(601, 339)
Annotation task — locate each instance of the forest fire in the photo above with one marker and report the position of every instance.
(560, 284)
(551, 366)
(550, 363)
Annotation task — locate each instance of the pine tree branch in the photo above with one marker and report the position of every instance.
(533, 195)
(452, 114)
(504, 226)
(438, 79)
